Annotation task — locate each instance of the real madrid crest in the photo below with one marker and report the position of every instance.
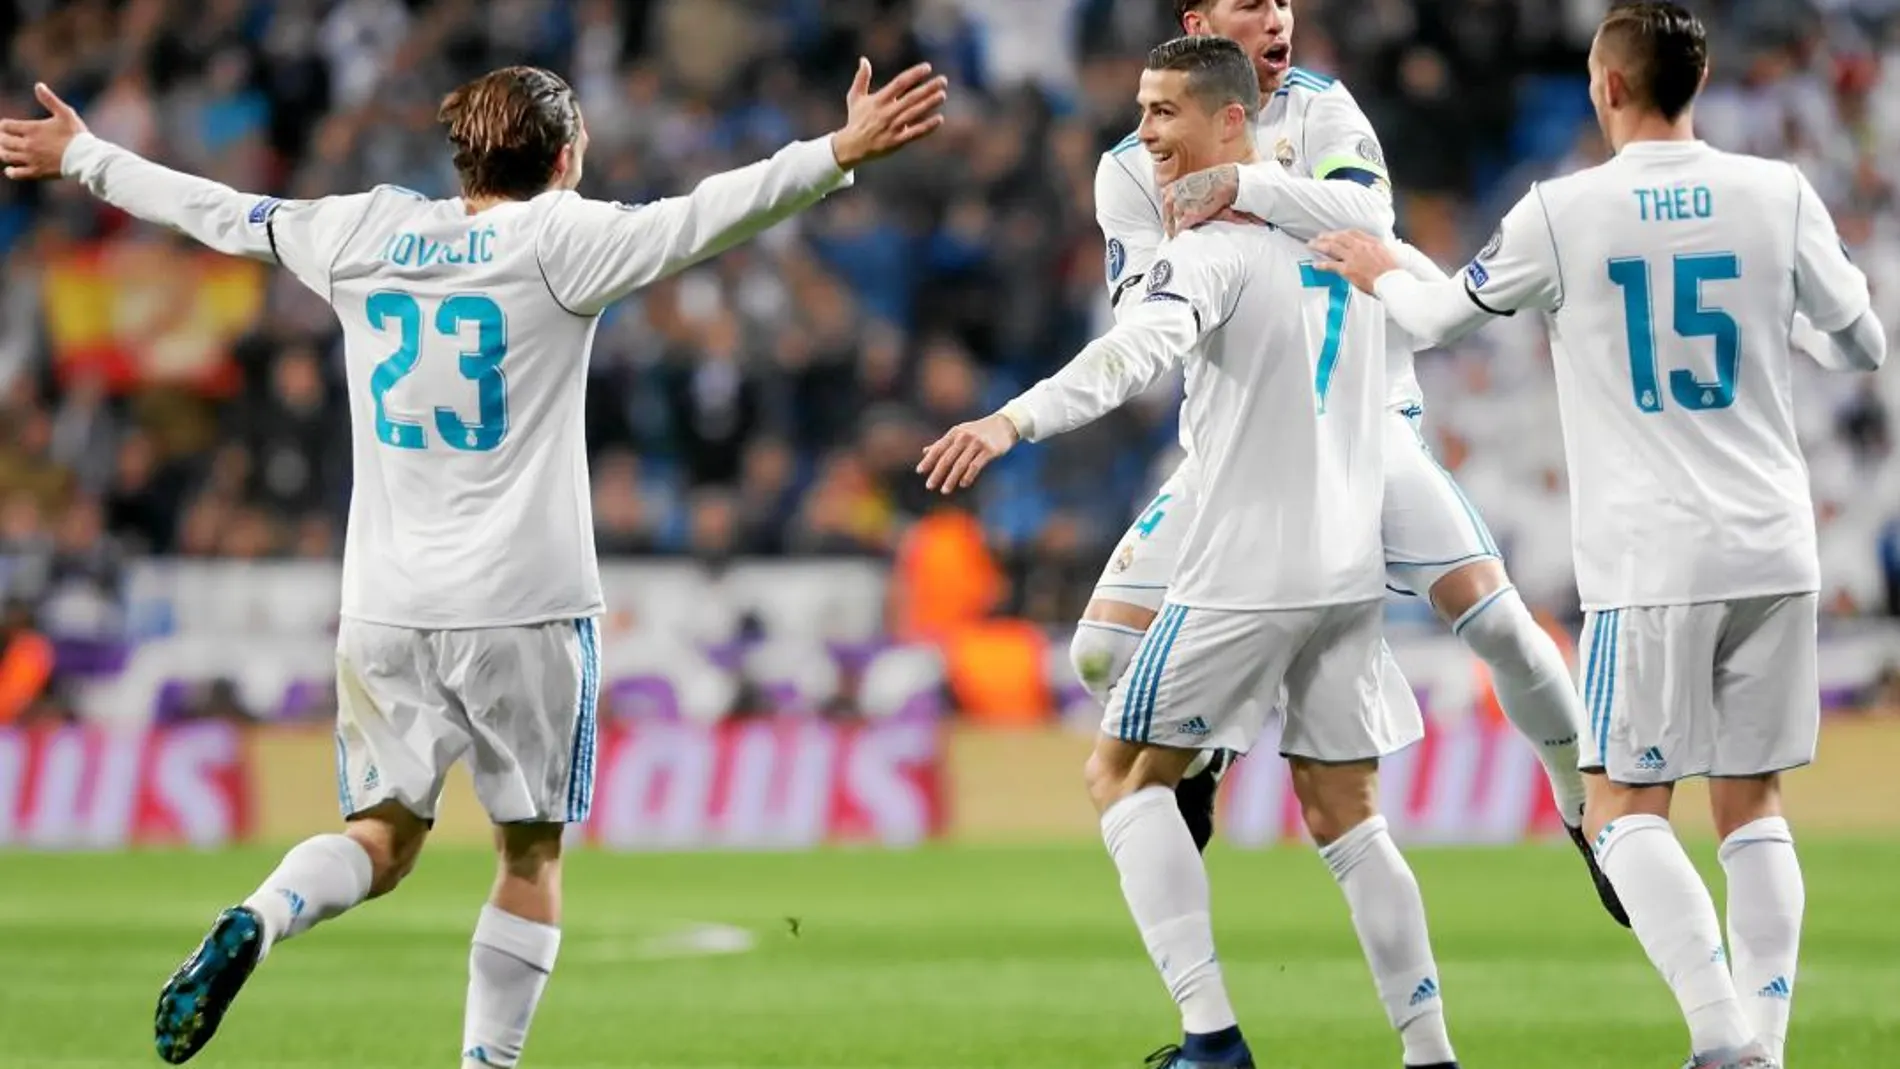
(1160, 275)
(1124, 558)
(1283, 151)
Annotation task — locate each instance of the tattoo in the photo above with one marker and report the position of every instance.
(1203, 195)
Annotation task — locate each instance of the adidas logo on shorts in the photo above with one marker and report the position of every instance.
(1652, 760)
(1195, 726)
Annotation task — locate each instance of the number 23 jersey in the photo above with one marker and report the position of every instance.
(1670, 277)
(466, 339)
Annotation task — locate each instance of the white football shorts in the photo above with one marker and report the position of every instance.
(1721, 688)
(518, 702)
(1430, 527)
(1208, 679)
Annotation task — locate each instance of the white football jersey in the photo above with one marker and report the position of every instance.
(1671, 276)
(1285, 419)
(466, 340)
(1312, 127)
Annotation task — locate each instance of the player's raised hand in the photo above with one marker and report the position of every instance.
(35, 148)
(1201, 197)
(879, 122)
(953, 461)
(1357, 256)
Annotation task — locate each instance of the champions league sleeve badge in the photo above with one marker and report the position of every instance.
(1160, 275)
(1117, 259)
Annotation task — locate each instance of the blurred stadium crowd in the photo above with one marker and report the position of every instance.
(774, 401)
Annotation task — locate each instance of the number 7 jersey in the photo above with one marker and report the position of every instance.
(1671, 276)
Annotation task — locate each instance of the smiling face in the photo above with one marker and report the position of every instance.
(1180, 132)
(1262, 28)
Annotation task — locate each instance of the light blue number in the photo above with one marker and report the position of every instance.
(1692, 320)
(381, 308)
(481, 365)
(1695, 321)
(1339, 294)
(1151, 519)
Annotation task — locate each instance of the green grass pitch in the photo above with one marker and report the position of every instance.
(943, 958)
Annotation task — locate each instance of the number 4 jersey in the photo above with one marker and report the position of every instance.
(466, 340)
(1671, 276)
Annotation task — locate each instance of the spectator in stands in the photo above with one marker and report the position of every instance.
(26, 662)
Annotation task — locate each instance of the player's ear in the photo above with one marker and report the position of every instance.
(1194, 24)
(1616, 91)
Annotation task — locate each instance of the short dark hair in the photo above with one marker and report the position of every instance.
(1219, 72)
(508, 128)
(1663, 49)
(1183, 7)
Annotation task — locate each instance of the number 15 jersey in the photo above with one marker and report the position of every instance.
(1670, 277)
(466, 338)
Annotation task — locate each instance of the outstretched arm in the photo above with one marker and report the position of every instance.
(1190, 291)
(1517, 269)
(595, 252)
(207, 211)
(1135, 353)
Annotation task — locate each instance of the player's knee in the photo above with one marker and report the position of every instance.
(529, 852)
(1334, 799)
(1500, 629)
(1103, 777)
(1738, 802)
(393, 838)
(1100, 654)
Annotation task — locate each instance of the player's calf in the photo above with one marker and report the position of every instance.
(1766, 900)
(1340, 805)
(319, 878)
(516, 941)
(1533, 683)
(1670, 908)
(1165, 885)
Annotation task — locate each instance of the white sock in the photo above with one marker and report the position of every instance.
(508, 968)
(1534, 688)
(320, 878)
(1100, 653)
(1674, 918)
(1389, 914)
(1165, 884)
(1766, 897)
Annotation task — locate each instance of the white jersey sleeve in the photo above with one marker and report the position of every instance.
(595, 252)
(1190, 290)
(1346, 186)
(1517, 269)
(1203, 274)
(304, 236)
(1129, 216)
(1828, 288)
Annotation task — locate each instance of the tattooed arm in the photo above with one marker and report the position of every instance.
(1334, 178)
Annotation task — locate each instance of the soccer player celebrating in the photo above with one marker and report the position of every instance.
(1674, 278)
(470, 588)
(1325, 173)
(1279, 584)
